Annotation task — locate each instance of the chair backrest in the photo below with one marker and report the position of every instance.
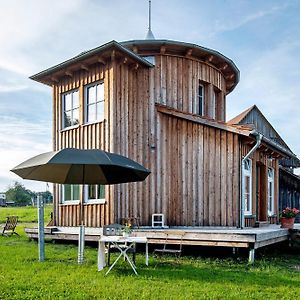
(174, 234)
(112, 229)
(11, 223)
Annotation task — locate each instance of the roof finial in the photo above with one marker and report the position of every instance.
(149, 35)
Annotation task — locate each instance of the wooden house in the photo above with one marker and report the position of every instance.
(289, 183)
(163, 104)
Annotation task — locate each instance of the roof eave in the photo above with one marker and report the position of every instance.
(191, 45)
(87, 54)
(278, 148)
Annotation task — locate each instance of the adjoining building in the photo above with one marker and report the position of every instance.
(289, 182)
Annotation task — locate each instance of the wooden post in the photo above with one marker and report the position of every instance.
(251, 254)
(41, 237)
(81, 244)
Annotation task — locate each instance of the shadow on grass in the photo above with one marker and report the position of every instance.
(273, 270)
(265, 274)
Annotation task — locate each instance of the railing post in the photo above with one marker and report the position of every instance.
(81, 244)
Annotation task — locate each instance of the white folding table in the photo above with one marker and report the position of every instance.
(117, 241)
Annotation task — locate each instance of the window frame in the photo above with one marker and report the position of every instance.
(90, 200)
(86, 104)
(213, 104)
(247, 173)
(62, 195)
(201, 99)
(63, 99)
(271, 180)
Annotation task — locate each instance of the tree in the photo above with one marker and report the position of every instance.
(18, 193)
(46, 196)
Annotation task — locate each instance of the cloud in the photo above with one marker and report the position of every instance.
(271, 80)
(21, 139)
(260, 36)
(243, 19)
(27, 25)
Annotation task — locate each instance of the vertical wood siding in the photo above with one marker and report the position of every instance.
(191, 175)
(89, 136)
(177, 80)
(195, 168)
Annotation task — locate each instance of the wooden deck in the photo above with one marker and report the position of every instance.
(251, 238)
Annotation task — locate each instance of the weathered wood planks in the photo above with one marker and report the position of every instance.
(195, 166)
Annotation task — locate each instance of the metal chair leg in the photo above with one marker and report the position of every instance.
(108, 255)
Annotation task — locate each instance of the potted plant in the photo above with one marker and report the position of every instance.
(287, 217)
(126, 231)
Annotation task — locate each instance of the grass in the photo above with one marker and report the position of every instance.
(26, 214)
(274, 275)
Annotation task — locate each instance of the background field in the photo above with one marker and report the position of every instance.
(275, 274)
(27, 214)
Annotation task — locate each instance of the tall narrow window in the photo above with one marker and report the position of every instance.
(95, 193)
(70, 103)
(70, 193)
(201, 93)
(270, 191)
(213, 104)
(248, 186)
(94, 102)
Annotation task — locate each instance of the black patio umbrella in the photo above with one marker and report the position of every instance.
(77, 166)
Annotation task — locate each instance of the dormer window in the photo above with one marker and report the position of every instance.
(94, 102)
(70, 108)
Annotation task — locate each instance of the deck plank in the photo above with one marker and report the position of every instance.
(198, 236)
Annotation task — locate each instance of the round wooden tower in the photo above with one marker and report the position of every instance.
(189, 77)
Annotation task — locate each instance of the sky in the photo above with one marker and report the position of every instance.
(261, 37)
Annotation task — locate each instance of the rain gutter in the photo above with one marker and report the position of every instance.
(258, 137)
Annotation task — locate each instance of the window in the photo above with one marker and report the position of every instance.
(70, 193)
(150, 59)
(70, 103)
(248, 186)
(270, 191)
(213, 104)
(201, 93)
(94, 102)
(95, 193)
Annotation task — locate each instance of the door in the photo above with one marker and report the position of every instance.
(257, 189)
(261, 193)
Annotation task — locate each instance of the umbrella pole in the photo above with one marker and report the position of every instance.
(81, 233)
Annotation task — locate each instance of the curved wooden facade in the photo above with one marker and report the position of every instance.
(152, 116)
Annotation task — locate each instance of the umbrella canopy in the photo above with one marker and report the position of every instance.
(76, 166)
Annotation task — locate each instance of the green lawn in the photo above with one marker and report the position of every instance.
(274, 276)
(26, 214)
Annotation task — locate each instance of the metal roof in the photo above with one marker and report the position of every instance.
(200, 49)
(124, 47)
(87, 54)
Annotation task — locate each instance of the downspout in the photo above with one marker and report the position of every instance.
(258, 137)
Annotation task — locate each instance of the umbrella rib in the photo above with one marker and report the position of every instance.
(67, 173)
(30, 171)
